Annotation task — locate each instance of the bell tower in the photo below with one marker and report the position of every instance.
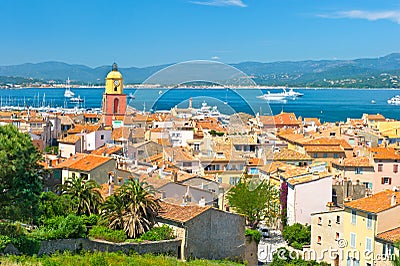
(114, 99)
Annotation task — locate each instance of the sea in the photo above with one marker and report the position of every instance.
(327, 104)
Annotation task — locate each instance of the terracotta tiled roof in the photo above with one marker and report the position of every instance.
(120, 133)
(362, 161)
(180, 213)
(377, 117)
(71, 139)
(282, 119)
(385, 153)
(312, 119)
(84, 128)
(301, 179)
(376, 203)
(89, 115)
(256, 161)
(324, 149)
(291, 155)
(107, 150)
(392, 236)
(84, 162)
(177, 154)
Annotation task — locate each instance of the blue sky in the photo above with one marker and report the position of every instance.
(151, 32)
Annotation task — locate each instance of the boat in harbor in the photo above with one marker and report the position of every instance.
(68, 93)
(394, 100)
(76, 99)
(273, 96)
(131, 96)
(292, 93)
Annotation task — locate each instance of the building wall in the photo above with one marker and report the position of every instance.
(388, 219)
(93, 140)
(100, 174)
(385, 258)
(179, 138)
(348, 189)
(327, 229)
(304, 199)
(387, 171)
(361, 231)
(215, 234)
(66, 149)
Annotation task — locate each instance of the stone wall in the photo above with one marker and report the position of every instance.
(171, 247)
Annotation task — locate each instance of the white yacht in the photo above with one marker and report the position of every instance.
(292, 93)
(68, 93)
(394, 100)
(273, 96)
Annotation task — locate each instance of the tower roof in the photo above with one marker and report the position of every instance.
(114, 73)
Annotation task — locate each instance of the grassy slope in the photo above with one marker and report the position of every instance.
(100, 259)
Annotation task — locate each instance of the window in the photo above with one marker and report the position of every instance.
(386, 181)
(315, 155)
(387, 249)
(325, 155)
(196, 147)
(369, 221)
(395, 168)
(101, 137)
(353, 216)
(319, 220)
(368, 244)
(73, 175)
(337, 237)
(329, 223)
(85, 177)
(234, 180)
(358, 170)
(352, 240)
(380, 167)
(338, 219)
(335, 155)
(319, 240)
(187, 164)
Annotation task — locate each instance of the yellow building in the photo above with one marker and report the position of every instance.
(363, 220)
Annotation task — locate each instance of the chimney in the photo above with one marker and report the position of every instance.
(393, 201)
(190, 103)
(175, 176)
(202, 202)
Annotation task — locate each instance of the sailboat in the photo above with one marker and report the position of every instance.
(68, 93)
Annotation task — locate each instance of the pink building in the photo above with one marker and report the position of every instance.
(386, 165)
(307, 193)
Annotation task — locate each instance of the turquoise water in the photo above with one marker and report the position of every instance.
(326, 104)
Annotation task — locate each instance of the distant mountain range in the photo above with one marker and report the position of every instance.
(367, 72)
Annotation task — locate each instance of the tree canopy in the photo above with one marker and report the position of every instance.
(256, 201)
(20, 175)
(132, 208)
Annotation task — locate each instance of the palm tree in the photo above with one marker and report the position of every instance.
(132, 208)
(85, 193)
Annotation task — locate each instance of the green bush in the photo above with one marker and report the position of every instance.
(253, 234)
(27, 245)
(163, 232)
(102, 232)
(53, 205)
(12, 230)
(297, 235)
(4, 241)
(90, 220)
(61, 227)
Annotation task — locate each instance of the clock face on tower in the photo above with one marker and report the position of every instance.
(116, 82)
